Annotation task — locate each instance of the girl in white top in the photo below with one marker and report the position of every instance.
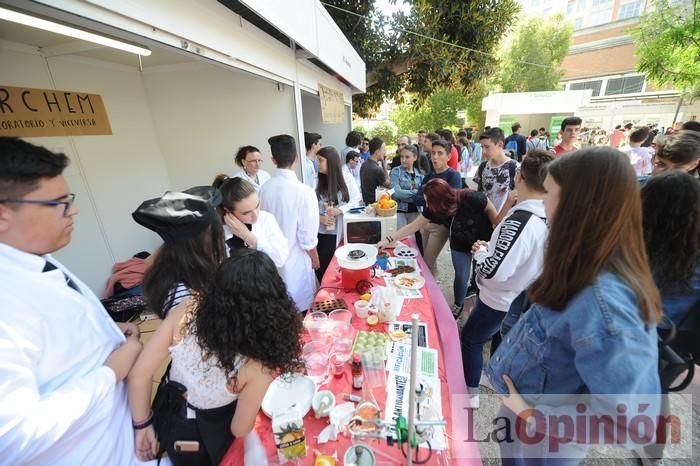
(337, 193)
(226, 345)
(250, 160)
(245, 225)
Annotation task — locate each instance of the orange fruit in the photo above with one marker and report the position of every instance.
(372, 320)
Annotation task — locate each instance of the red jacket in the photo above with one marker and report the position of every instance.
(453, 163)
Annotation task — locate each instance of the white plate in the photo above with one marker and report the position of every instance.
(281, 395)
(419, 281)
(406, 253)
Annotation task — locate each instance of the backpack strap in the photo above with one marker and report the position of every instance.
(512, 167)
(480, 173)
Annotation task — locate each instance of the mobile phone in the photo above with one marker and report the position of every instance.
(186, 445)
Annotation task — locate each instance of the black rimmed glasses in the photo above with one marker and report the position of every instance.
(69, 200)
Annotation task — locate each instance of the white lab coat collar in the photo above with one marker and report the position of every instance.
(287, 173)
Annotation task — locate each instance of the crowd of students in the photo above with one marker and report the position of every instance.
(568, 231)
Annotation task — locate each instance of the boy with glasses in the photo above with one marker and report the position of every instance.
(62, 396)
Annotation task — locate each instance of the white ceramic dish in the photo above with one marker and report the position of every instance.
(404, 253)
(281, 395)
(416, 281)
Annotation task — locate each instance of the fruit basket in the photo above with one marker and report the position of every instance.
(385, 212)
(386, 206)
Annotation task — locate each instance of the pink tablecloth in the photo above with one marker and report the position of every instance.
(442, 335)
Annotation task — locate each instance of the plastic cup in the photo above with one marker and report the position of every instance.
(315, 355)
(361, 308)
(342, 339)
(338, 364)
(318, 326)
(340, 316)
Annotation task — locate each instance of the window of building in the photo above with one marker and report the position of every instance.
(592, 85)
(570, 7)
(599, 4)
(578, 23)
(629, 10)
(600, 17)
(581, 5)
(626, 85)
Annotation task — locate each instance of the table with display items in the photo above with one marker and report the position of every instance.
(442, 336)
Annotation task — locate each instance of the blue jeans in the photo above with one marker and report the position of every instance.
(462, 263)
(481, 326)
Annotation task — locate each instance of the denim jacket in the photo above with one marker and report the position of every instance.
(405, 187)
(598, 344)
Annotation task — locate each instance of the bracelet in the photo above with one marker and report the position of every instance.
(389, 239)
(143, 424)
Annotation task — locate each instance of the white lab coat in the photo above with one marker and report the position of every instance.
(271, 241)
(263, 177)
(295, 208)
(59, 404)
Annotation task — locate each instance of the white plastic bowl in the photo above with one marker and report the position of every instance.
(356, 264)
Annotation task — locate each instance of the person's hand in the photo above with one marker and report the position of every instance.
(121, 359)
(382, 244)
(145, 443)
(315, 261)
(130, 330)
(512, 197)
(477, 245)
(333, 211)
(514, 401)
(237, 227)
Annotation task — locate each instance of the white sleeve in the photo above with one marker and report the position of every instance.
(32, 422)
(509, 248)
(353, 192)
(271, 241)
(307, 229)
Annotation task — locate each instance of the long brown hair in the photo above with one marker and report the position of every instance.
(597, 226)
(332, 182)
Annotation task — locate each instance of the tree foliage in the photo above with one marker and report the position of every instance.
(437, 111)
(385, 130)
(424, 61)
(668, 45)
(537, 41)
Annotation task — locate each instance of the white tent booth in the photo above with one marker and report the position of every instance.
(220, 74)
(531, 109)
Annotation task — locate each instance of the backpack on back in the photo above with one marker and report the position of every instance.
(512, 147)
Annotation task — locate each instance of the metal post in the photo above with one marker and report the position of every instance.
(412, 386)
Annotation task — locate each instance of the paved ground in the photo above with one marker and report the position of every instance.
(606, 456)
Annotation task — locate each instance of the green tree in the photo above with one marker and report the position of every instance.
(543, 44)
(360, 129)
(384, 130)
(668, 45)
(437, 111)
(439, 44)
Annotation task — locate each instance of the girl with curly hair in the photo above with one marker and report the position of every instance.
(226, 345)
(671, 207)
